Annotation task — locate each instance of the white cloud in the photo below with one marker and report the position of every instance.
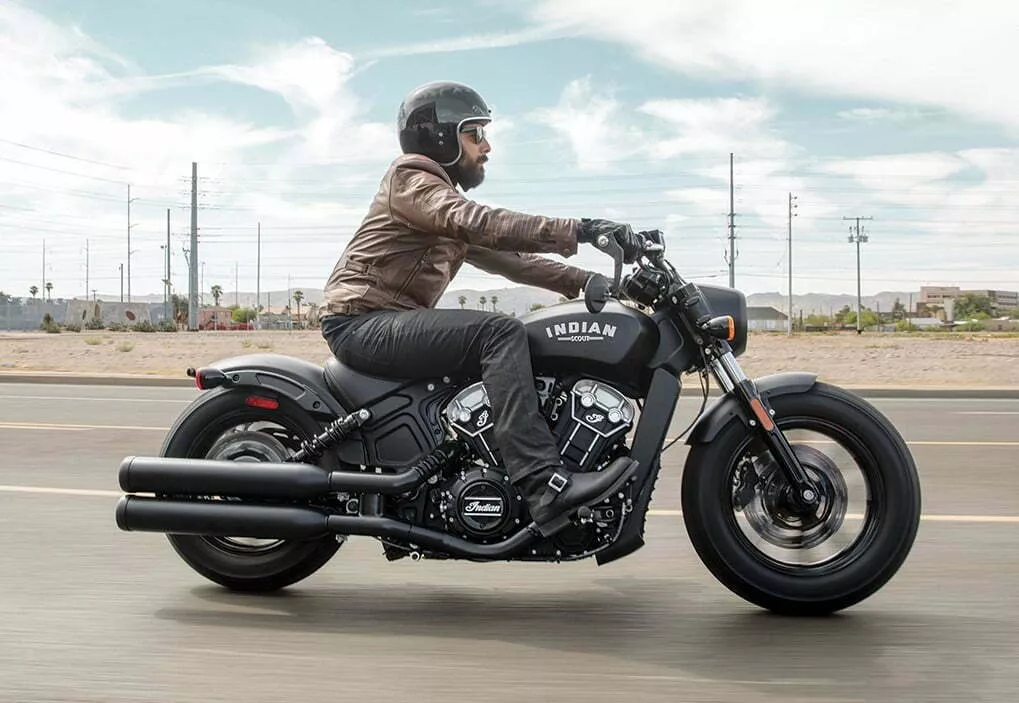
(62, 92)
(717, 126)
(473, 42)
(593, 125)
(955, 56)
(883, 114)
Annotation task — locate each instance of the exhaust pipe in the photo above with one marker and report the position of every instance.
(230, 478)
(198, 477)
(216, 518)
(231, 519)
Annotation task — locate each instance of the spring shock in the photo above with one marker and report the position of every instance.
(334, 433)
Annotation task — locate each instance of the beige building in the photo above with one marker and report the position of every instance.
(938, 294)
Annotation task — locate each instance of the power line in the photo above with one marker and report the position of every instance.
(59, 170)
(66, 156)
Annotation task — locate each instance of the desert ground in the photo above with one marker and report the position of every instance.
(927, 359)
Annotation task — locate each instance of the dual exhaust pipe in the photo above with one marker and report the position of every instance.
(193, 481)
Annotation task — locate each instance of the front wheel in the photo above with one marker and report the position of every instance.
(225, 427)
(744, 525)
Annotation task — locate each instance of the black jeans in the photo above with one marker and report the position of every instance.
(427, 343)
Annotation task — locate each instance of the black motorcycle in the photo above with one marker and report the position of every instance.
(798, 496)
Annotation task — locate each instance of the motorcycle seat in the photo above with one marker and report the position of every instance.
(355, 389)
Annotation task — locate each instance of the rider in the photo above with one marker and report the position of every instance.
(419, 230)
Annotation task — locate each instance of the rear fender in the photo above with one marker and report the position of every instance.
(301, 381)
(728, 407)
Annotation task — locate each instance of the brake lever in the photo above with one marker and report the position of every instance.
(611, 247)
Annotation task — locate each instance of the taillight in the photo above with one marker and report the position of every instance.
(257, 401)
(208, 378)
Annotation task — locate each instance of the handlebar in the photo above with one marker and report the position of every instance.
(598, 293)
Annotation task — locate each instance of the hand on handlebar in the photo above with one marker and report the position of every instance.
(631, 244)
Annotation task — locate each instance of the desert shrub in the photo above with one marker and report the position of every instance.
(49, 325)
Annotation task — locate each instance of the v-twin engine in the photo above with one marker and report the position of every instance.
(586, 419)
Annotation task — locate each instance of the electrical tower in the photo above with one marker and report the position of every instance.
(731, 257)
(792, 206)
(858, 239)
(193, 282)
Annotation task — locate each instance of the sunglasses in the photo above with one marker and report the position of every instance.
(477, 129)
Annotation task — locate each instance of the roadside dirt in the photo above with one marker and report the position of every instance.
(848, 359)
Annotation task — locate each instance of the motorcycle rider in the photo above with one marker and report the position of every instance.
(380, 299)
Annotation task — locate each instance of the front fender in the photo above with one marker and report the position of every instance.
(301, 381)
(722, 413)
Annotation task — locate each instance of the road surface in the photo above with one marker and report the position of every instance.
(89, 613)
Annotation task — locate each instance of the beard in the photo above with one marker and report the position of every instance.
(471, 173)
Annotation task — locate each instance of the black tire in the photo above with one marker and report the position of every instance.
(867, 564)
(284, 564)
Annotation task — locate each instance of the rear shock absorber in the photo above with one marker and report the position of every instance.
(332, 435)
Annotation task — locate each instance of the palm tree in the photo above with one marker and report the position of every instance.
(483, 300)
(34, 290)
(462, 300)
(49, 291)
(217, 293)
(495, 299)
(298, 297)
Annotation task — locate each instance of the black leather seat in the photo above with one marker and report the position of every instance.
(355, 389)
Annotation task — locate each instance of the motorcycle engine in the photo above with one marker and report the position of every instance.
(476, 501)
(586, 419)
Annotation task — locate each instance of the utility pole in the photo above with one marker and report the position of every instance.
(732, 226)
(193, 283)
(791, 216)
(258, 279)
(129, 226)
(166, 287)
(858, 239)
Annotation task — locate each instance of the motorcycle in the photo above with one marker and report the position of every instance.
(279, 461)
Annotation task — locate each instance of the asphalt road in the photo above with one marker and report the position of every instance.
(89, 613)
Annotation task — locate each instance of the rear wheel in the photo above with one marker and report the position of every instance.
(745, 527)
(226, 428)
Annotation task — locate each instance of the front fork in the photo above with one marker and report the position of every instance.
(731, 377)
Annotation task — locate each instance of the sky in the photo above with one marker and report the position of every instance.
(903, 112)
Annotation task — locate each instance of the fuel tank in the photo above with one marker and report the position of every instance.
(614, 345)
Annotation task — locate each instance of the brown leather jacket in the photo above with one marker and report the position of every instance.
(419, 231)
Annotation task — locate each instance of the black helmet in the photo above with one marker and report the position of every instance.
(431, 116)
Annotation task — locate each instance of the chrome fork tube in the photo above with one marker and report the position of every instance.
(727, 371)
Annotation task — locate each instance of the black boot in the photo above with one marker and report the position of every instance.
(553, 495)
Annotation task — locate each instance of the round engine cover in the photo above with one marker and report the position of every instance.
(482, 503)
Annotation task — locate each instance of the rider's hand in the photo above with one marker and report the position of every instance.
(624, 235)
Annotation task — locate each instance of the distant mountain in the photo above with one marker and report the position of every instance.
(824, 304)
